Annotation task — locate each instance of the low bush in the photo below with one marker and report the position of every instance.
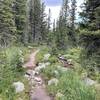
(73, 53)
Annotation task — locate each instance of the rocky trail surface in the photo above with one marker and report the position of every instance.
(37, 85)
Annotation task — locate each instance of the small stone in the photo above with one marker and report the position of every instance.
(37, 79)
(89, 81)
(19, 86)
(27, 77)
(59, 95)
(69, 61)
(56, 73)
(53, 81)
(46, 56)
(40, 67)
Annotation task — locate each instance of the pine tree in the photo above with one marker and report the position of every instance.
(43, 23)
(49, 20)
(27, 27)
(54, 25)
(90, 32)
(49, 33)
(35, 20)
(65, 11)
(90, 15)
(20, 18)
(7, 25)
(73, 13)
(62, 26)
(31, 21)
(71, 34)
(91, 24)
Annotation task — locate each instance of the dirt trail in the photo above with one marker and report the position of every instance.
(37, 87)
(32, 61)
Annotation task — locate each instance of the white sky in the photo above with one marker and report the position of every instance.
(56, 9)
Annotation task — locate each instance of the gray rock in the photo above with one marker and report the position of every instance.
(89, 81)
(56, 73)
(42, 66)
(46, 56)
(53, 81)
(19, 86)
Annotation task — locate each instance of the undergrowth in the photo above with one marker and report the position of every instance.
(11, 60)
(70, 85)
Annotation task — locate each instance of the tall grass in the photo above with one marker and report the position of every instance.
(72, 88)
(11, 60)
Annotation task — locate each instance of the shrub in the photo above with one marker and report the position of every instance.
(14, 58)
(74, 54)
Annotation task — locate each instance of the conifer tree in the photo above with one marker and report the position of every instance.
(20, 18)
(62, 26)
(49, 33)
(35, 19)
(7, 24)
(90, 32)
(71, 34)
(49, 20)
(43, 23)
(54, 25)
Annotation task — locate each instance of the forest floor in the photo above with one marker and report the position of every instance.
(37, 90)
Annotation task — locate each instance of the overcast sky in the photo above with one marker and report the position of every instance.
(55, 6)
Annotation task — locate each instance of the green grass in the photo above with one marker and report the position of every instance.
(70, 83)
(11, 70)
(72, 88)
(40, 55)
